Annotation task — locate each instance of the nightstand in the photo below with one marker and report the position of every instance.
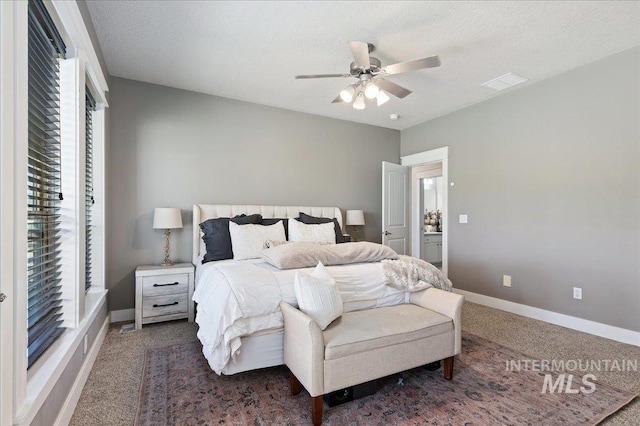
(164, 293)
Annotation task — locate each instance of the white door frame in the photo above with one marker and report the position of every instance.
(7, 205)
(435, 155)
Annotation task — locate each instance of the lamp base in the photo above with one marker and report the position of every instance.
(167, 261)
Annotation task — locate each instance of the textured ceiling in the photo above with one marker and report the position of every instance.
(251, 51)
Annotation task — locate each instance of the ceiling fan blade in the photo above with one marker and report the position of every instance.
(299, 77)
(393, 88)
(337, 100)
(418, 64)
(360, 51)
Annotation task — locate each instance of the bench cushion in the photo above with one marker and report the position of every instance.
(362, 331)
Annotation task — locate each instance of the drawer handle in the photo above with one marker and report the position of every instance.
(166, 304)
(164, 285)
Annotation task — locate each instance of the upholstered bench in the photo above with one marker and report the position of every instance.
(365, 345)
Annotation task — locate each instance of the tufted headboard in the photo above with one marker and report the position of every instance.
(202, 212)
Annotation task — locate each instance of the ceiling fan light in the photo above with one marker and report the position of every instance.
(347, 94)
(359, 102)
(382, 97)
(371, 91)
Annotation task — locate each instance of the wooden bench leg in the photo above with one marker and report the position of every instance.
(448, 368)
(296, 387)
(316, 410)
(316, 401)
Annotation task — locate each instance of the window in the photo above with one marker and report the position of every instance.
(45, 50)
(90, 106)
(47, 60)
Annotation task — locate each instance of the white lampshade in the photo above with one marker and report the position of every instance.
(347, 94)
(382, 97)
(355, 217)
(167, 218)
(371, 91)
(359, 102)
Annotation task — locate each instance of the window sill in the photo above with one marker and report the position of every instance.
(46, 372)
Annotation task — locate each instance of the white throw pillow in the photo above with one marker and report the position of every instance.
(318, 295)
(323, 233)
(247, 241)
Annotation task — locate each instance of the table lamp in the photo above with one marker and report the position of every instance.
(355, 218)
(167, 218)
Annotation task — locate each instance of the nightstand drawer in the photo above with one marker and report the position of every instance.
(159, 285)
(165, 305)
(433, 238)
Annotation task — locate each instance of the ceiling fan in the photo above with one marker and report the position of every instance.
(371, 75)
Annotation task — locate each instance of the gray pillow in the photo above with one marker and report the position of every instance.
(306, 255)
(313, 220)
(216, 236)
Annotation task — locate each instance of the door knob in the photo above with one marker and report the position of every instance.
(386, 233)
(2, 297)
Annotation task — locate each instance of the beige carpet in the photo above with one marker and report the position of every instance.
(111, 393)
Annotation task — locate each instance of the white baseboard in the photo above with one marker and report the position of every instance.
(591, 327)
(64, 417)
(123, 315)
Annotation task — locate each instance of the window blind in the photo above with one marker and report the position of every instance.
(90, 106)
(43, 179)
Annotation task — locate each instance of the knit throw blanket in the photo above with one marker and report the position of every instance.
(411, 274)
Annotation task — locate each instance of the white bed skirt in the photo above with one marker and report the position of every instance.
(258, 351)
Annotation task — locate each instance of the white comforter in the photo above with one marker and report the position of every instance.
(238, 298)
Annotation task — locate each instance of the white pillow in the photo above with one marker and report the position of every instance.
(318, 295)
(323, 233)
(247, 241)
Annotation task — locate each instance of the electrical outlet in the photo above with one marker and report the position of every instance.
(577, 293)
(506, 280)
(86, 343)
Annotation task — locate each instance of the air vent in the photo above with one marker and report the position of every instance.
(504, 81)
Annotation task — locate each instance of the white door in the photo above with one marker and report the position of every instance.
(395, 207)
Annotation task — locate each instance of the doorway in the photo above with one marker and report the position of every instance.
(430, 160)
(429, 232)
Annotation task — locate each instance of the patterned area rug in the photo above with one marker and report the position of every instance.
(179, 388)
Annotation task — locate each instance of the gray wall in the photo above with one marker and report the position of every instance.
(550, 178)
(174, 148)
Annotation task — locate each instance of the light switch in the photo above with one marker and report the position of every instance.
(506, 280)
(463, 218)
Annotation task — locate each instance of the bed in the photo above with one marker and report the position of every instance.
(240, 324)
